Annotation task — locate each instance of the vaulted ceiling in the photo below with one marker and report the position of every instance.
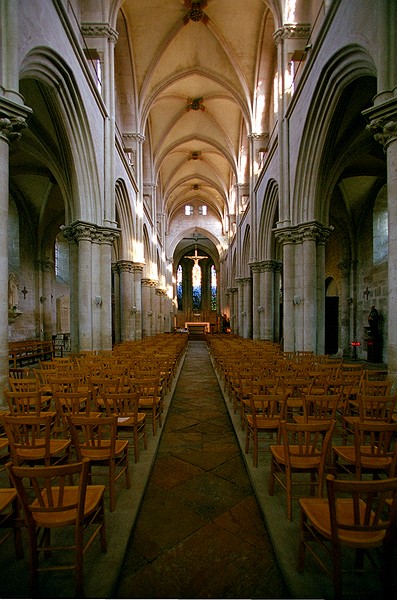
(196, 78)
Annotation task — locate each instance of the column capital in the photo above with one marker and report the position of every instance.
(292, 30)
(99, 30)
(150, 283)
(11, 125)
(46, 265)
(80, 230)
(383, 121)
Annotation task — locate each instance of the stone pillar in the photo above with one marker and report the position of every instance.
(47, 269)
(257, 308)
(309, 300)
(247, 321)
(383, 122)
(277, 301)
(106, 238)
(346, 302)
(83, 234)
(148, 307)
(268, 315)
(133, 143)
(290, 298)
(116, 304)
(234, 310)
(10, 125)
(138, 269)
(126, 275)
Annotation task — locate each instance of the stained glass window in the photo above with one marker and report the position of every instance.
(213, 287)
(179, 288)
(196, 286)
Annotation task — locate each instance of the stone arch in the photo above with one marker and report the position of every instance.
(47, 80)
(348, 64)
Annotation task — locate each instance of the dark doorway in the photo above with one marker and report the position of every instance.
(331, 324)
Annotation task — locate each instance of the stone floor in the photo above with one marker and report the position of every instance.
(200, 532)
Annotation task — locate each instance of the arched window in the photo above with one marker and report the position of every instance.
(196, 286)
(213, 288)
(380, 228)
(179, 287)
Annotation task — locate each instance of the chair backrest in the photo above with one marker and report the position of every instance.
(48, 486)
(375, 446)
(121, 404)
(376, 388)
(29, 437)
(376, 408)
(303, 441)
(95, 436)
(24, 403)
(320, 406)
(25, 384)
(64, 382)
(369, 510)
(269, 406)
(72, 403)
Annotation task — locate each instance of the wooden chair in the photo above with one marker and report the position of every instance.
(150, 399)
(75, 511)
(71, 403)
(319, 406)
(24, 403)
(10, 519)
(267, 411)
(24, 384)
(96, 439)
(359, 517)
(304, 451)
(374, 450)
(125, 406)
(30, 440)
(369, 408)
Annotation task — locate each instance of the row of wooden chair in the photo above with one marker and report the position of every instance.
(357, 467)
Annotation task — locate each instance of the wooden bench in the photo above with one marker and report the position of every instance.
(27, 352)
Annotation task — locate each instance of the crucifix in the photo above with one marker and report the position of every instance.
(196, 258)
(24, 292)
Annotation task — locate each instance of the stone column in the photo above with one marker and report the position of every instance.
(148, 307)
(257, 309)
(346, 300)
(101, 39)
(116, 303)
(47, 269)
(247, 291)
(383, 122)
(83, 233)
(240, 313)
(133, 143)
(287, 238)
(10, 125)
(277, 300)
(138, 269)
(126, 275)
(268, 315)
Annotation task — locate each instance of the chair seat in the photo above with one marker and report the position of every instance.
(297, 461)
(38, 452)
(348, 453)
(67, 517)
(263, 422)
(7, 496)
(103, 452)
(317, 511)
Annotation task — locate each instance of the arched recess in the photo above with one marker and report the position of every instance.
(125, 219)
(60, 131)
(267, 244)
(246, 252)
(312, 184)
(340, 170)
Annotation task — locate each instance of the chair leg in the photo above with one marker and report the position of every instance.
(256, 449)
(302, 544)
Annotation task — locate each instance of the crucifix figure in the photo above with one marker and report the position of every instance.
(196, 258)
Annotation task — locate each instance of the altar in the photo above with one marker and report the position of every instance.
(197, 327)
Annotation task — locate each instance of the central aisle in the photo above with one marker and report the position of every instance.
(199, 532)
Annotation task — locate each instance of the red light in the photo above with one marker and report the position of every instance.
(355, 343)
